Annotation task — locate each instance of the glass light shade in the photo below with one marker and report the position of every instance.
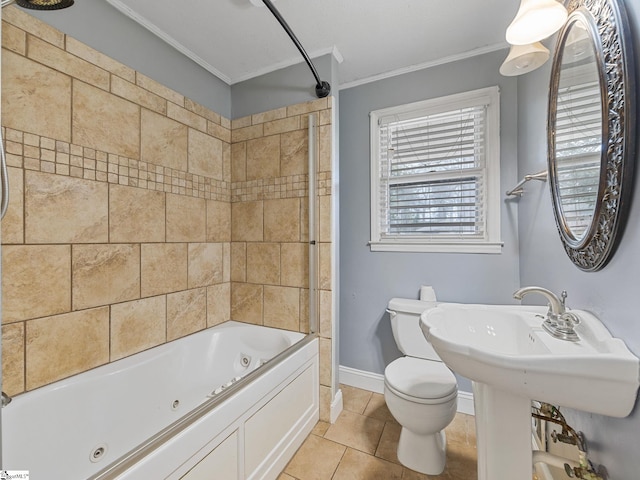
(524, 59)
(535, 21)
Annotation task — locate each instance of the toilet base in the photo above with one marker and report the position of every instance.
(423, 453)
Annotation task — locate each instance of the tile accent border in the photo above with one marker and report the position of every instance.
(42, 154)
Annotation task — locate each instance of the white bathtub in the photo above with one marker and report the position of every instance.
(159, 413)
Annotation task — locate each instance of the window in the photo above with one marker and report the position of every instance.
(435, 175)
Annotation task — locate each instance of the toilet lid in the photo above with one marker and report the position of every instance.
(420, 378)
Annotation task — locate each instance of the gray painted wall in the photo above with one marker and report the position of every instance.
(101, 26)
(611, 294)
(369, 279)
(287, 86)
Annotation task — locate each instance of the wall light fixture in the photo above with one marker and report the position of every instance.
(524, 59)
(535, 21)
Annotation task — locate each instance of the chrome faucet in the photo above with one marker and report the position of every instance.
(559, 323)
(556, 306)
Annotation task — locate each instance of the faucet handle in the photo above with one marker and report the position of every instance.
(570, 318)
(563, 298)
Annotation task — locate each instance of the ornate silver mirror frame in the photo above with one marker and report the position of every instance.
(591, 245)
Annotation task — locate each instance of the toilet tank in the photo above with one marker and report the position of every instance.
(405, 323)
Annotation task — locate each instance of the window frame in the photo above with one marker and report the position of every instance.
(490, 241)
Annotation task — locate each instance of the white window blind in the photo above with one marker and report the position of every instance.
(432, 169)
(578, 146)
(432, 175)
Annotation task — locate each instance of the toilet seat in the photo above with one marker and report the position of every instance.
(421, 381)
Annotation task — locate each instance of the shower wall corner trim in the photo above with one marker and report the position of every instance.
(313, 226)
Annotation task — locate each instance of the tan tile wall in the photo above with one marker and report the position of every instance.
(269, 224)
(118, 236)
(138, 216)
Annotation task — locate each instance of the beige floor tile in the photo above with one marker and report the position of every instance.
(284, 476)
(356, 431)
(356, 465)
(354, 399)
(461, 463)
(471, 429)
(408, 474)
(317, 459)
(377, 408)
(321, 428)
(345, 450)
(462, 430)
(388, 445)
(457, 430)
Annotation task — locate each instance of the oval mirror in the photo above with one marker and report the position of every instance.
(578, 165)
(590, 131)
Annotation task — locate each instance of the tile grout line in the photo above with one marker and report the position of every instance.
(340, 462)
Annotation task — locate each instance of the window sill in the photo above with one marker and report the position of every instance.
(467, 247)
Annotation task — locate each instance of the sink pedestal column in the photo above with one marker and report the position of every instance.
(503, 432)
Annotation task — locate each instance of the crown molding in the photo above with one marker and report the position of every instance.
(425, 65)
(144, 22)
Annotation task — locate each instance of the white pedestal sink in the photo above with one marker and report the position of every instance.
(513, 361)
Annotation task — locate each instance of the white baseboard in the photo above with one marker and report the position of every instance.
(374, 382)
(336, 407)
(465, 403)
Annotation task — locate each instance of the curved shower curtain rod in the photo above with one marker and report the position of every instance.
(323, 89)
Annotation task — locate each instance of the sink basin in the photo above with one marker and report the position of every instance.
(512, 360)
(506, 347)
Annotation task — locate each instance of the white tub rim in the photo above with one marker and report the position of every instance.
(136, 454)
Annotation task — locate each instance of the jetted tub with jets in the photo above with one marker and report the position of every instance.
(198, 404)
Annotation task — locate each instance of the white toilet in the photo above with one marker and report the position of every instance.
(420, 391)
